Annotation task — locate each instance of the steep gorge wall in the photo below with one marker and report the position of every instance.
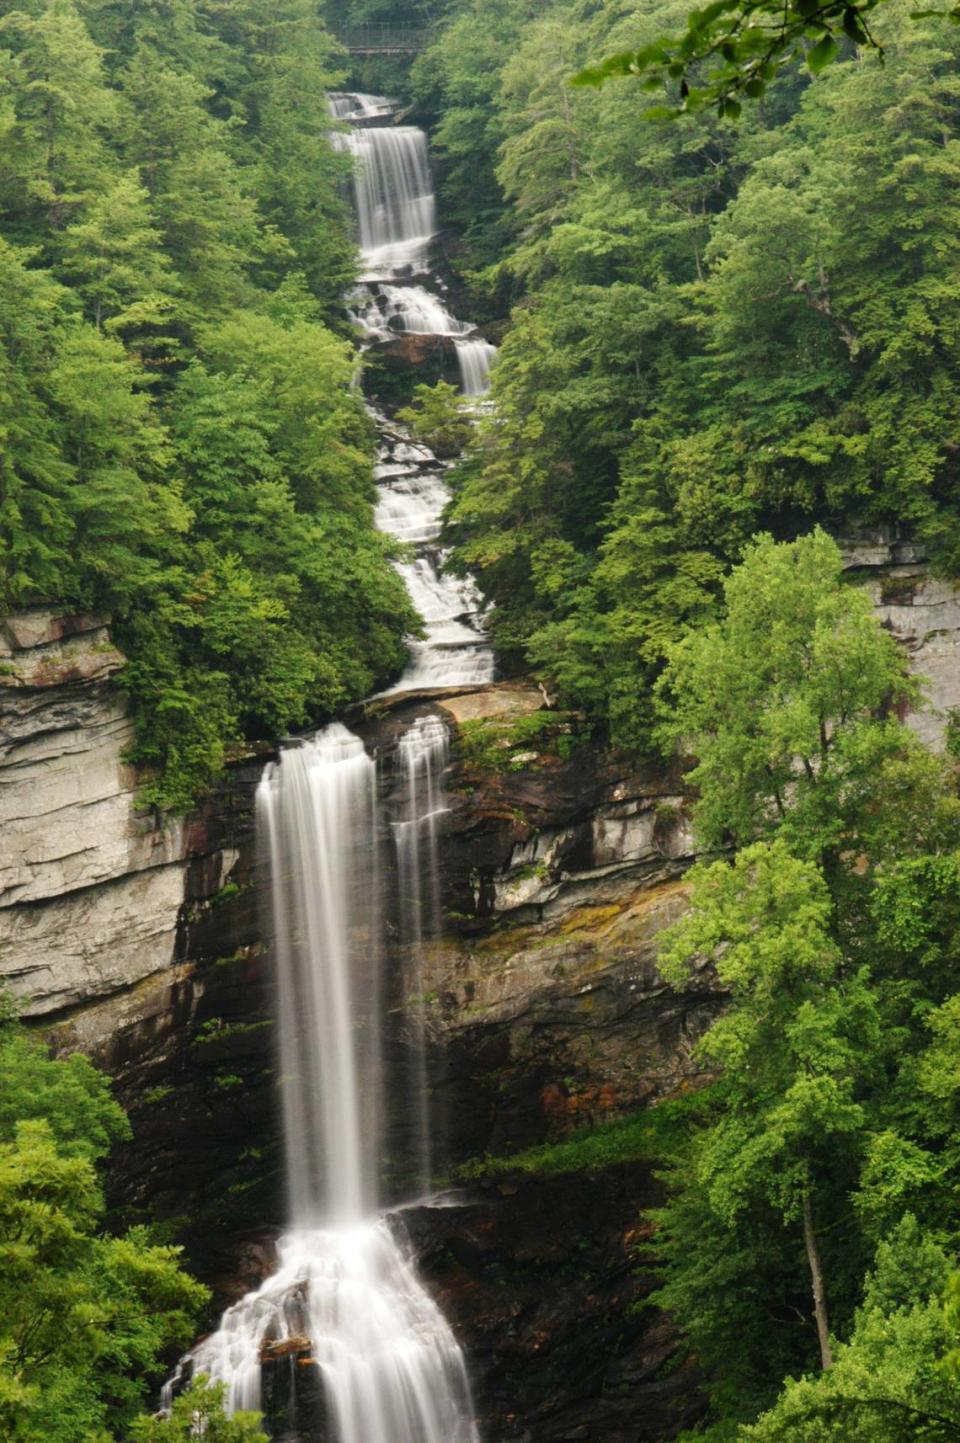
(922, 611)
(112, 936)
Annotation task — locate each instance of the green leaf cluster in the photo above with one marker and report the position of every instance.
(889, 1381)
(199, 1411)
(731, 50)
(437, 417)
(780, 702)
(811, 1216)
(808, 1241)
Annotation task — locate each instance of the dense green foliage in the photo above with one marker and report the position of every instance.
(730, 336)
(718, 328)
(85, 1317)
(436, 416)
(784, 705)
(809, 1237)
(181, 443)
(734, 49)
(888, 1382)
(345, 13)
(811, 1217)
(638, 1136)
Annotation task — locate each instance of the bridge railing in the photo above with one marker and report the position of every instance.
(381, 36)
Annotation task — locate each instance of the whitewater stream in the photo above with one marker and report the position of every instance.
(397, 220)
(346, 1295)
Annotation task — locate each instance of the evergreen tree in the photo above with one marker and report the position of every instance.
(56, 111)
(202, 207)
(113, 258)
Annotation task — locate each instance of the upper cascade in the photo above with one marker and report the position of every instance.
(397, 220)
(396, 215)
(383, 310)
(396, 206)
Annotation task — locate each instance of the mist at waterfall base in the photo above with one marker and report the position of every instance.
(346, 1293)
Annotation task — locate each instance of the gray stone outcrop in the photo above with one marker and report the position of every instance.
(90, 887)
(922, 612)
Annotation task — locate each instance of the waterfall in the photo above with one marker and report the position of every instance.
(346, 1297)
(385, 310)
(397, 221)
(423, 752)
(396, 210)
(317, 812)
(475, 356)
(454, 651)
(346, 1293)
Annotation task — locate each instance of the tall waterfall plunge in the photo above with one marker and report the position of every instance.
(345, 1289)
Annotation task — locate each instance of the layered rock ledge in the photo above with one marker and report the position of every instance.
(90, 888)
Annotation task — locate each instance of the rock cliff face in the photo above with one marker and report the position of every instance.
(89, 889)
(545, 1281)
(561, 869)
(132, 940)
(561, 866)
(922, 612)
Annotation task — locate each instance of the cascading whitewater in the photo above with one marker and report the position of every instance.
(384, 311)
(454, 652)
(394, 202)
(396, 216)
(346, 1296)
(345, 1289)
(396, 208)
(475, 357)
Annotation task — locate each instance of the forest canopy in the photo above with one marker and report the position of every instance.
(730, 342)
(718, 327)
(182, 445)
(732, 347)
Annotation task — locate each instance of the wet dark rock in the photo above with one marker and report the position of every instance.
(544, 1008)
(545, 1286)
(397, 365)
(294, 1406)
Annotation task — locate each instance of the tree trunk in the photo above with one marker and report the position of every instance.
(816, 1277)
